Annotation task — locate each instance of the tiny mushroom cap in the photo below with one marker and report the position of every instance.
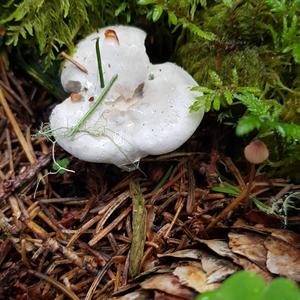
(256, 152)
(145, 112)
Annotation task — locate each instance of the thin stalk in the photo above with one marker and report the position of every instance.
(99, 62)
(92, 109)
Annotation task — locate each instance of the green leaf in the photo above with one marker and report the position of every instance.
(199, 102)
(296, 52)
(249, 89)
(145, 2)
(235, 77)
(197, 30)
(60, 165)
(157, 12)
(217, 81)
(228, 97)
(282, 289)
(202, 89)
(217, 103)
(288, 130)
(226, 190)
(247, 124)
(172, 18)
(228, 3)
(242, 285)
(211, 295)
(121, 8)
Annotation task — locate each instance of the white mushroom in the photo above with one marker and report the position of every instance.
(146, 111)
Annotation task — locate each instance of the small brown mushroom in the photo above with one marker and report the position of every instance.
(256, 152)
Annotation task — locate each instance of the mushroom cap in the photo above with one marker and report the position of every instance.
(126, 57)
(256, 152)
(145, 112)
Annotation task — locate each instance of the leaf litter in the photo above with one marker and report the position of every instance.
(103, 234)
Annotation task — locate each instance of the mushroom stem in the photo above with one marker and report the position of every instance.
(92, 109)
(99, 62)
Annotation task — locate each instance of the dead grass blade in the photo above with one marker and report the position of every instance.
(138, 229)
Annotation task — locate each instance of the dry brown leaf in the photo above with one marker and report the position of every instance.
(252, 267)
(169, 284)
(163, 296)
(218, 246)
(136, 295)
(250, 245)
(194, 277)
(283, 259)
(221, 248)
(217, 269)
(187, 253)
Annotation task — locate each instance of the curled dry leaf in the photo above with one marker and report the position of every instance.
(283, 259)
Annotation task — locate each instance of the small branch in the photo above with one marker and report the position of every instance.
(235, 203)
(55, 283)
(74, 62)
(17, 129)
(138, 229)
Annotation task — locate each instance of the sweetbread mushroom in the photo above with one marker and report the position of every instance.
(145, 112)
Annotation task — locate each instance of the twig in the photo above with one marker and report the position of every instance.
(16, 128)
(7, 187)
(55, 283)
(74, 62)
(109, 228)
(138, 229)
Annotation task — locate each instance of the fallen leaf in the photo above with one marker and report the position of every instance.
(194, 277)
(252, 267)
(283, 259)
(169, 284)
(250, 245)
(218, 246)
(163, 296)
(187, 253)
(217, 269)
(136, 295)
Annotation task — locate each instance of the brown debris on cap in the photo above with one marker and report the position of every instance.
(111, 35)
(256, 152)
(75, 97)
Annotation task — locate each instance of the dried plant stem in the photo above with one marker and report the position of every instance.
(16, 128)
(55, 283)
(235, 203)
(138, 229)
(110, 227)
(74, 62)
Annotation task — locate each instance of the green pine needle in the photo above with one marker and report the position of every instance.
(99, 62)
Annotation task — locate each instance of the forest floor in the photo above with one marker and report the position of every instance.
(81, 235)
